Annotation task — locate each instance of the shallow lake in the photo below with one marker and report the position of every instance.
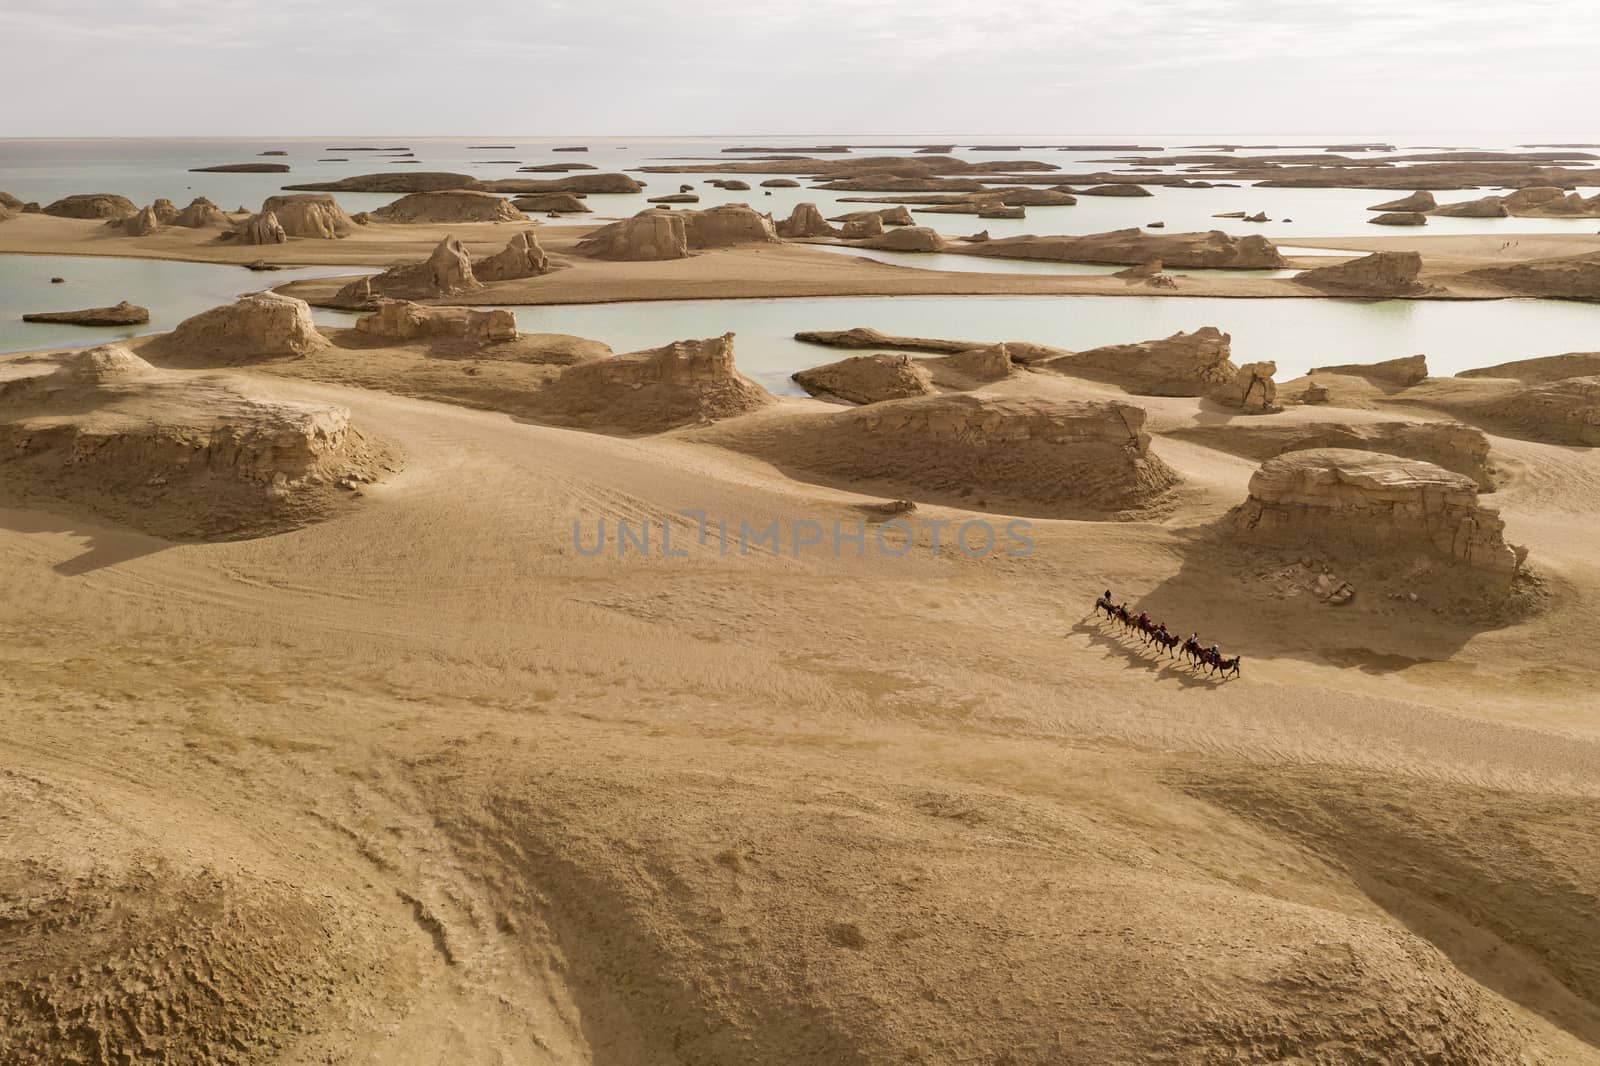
(172, 291)
(1296, 333)
(145, 169)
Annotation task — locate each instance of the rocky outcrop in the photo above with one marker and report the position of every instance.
(404, 181)
(1374, 502)
(780, 183)
(1574, 277)
(182, 456)
(1457, 447)
(403, 321)
(1116, 190)
(1382, 274)
(649, 235)
(907, 239)
(889, 216)
(1543, 369)
(1129, 247)
(202, 214)
(675, 198)
(165, 211)
(123, 314)
(317, 217)
(1561, 412)
(92, 205)
(259, 229)
(7, 200)
(1252, 389)
(449, 206)
(565, 203)
(446, 272)
(861, 229)
(243, 168)
(654, 234)
(1404, 372)
(574, 183)
(520, 258)
(141, 223)
(682, 383)
(1487, 207)
(727, 226)
(868, 378)
(1417, 201)
(1023, 456)
(1184, 364)
(1400, 218)
(262, 325)
(805, 221)
(867, 337)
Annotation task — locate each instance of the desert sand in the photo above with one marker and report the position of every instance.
(425, 691)
(443, 766)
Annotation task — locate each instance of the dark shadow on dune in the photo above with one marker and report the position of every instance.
(106, 547)
(1261, 600)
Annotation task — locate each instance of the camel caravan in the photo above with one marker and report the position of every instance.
(1189, 648)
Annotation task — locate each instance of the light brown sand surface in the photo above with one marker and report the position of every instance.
(425, 782)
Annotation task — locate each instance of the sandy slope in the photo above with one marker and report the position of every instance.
(456, 792)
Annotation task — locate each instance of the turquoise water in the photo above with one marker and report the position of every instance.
(146, 169)
(172, 292)
(1296, 333)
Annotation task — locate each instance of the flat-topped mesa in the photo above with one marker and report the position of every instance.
(404, 181)
(1542, 369)
(1184, 364)
(864, 379)
(573, 183)
(1485, 207)
(92, 205)
(449, 206)
(1399, 218)
(446, 272)
(805, 221)
(261, 325)
(1381, 274)
(1404, 372)
(1453, 445)
(1019, 455)
(889, 216)
(726, 226)
(403, 320)
(647, 236)
(1334, 497)
(907, 239)
(682, 383)
(1421, 200)
(313, 217)
(123, 314)
(202, 214)
(522, 257)
(867, 337)
(551, 202)
(1575, 277)
(175, 455)
(655, 234)
(1130, 247)
(1562, 412)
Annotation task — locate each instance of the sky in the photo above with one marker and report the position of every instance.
(89, 68)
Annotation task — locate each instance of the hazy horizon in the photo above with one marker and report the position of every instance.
(179, 68)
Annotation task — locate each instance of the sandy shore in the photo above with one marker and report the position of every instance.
(753, 271)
